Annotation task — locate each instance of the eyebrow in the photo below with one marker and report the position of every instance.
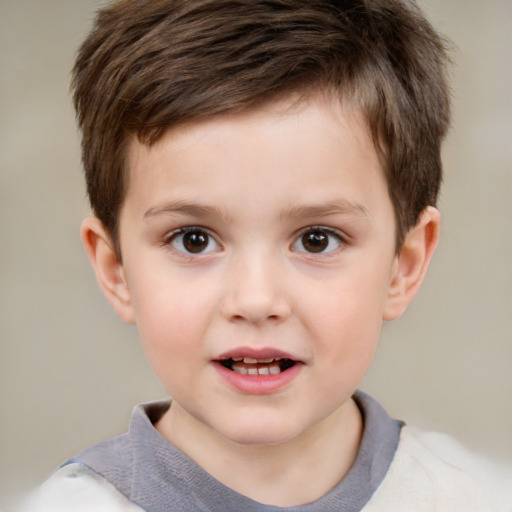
(186, 208)
(337, 207)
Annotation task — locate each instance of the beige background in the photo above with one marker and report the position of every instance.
(70, 371)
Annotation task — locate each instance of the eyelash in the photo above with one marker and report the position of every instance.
(330, 233)
(173, 236)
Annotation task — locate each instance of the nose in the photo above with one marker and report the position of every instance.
(256, 291)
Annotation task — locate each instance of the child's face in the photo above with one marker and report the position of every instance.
(265, 234)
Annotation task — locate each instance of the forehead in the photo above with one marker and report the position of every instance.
(313, 149)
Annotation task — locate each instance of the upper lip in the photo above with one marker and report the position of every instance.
(256, 353)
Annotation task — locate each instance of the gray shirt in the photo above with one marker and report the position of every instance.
(156, 476)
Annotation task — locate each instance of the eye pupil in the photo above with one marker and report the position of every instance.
(195, 241)
(315, 241)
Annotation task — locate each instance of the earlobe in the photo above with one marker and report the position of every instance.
(412, 263)
(109, 270)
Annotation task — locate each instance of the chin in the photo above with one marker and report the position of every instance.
(261, 433)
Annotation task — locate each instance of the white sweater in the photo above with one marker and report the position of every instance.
(430, 472)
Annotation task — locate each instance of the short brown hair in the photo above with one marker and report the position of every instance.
(148, 65)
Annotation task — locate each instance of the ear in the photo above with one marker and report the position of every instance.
(412, 262)
(109, 270)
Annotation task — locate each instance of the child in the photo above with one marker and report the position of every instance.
(263, 177)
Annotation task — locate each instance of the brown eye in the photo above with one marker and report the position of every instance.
(318, 240)
(193, 241)
(315, 241)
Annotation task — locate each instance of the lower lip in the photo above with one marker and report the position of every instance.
(259, 384)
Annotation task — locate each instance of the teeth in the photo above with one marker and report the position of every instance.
(273, 369)
(240, 369)
(250, 360)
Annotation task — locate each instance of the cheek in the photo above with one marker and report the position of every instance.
(347, 320)
(172, 337)
(171, 316)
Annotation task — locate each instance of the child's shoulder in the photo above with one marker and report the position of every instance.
(430, 471)
(420, 471)
(441, 474)
(75, 487)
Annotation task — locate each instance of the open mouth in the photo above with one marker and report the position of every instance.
(251, 366)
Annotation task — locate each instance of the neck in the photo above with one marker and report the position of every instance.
(295, 472)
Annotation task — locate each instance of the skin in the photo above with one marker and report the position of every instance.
(254, 183)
